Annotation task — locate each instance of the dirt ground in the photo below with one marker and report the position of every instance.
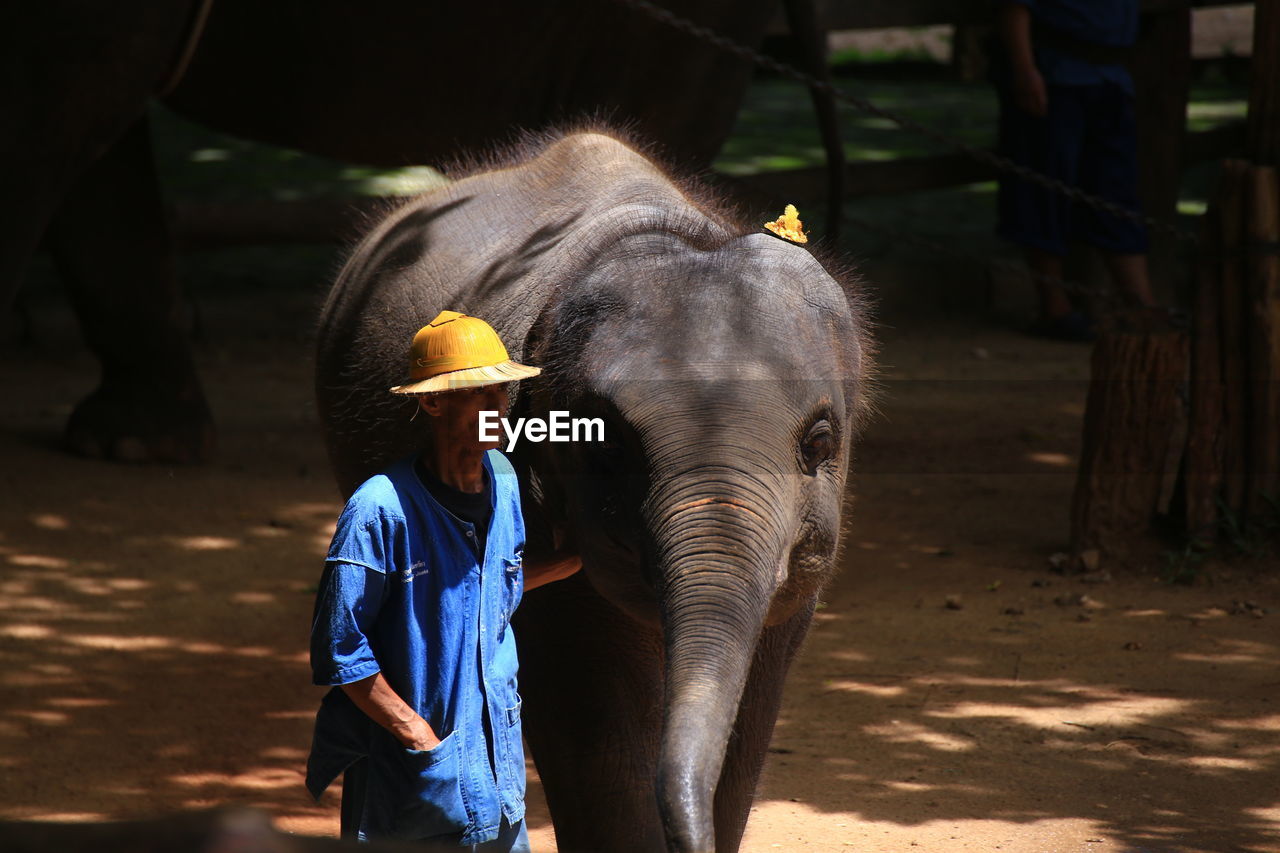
(153, 621)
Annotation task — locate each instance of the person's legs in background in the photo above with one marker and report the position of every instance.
(1037, 218)
(1047, 267)
(1058, 318)
(1109, 170)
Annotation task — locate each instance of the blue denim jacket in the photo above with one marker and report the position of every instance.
(405, 592)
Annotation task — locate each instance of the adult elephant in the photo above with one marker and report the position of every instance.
(729, 368)
(392, 82)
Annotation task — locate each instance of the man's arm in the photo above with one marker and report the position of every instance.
(556, 567)
(374, 696)
(1029, 91)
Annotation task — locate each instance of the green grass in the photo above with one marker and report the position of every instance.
(857, 56)
(1217, 105)
(776, 123)
(776, 127)
(775, 130)
(195, 162)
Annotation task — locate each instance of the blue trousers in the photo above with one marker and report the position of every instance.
(1089, 140)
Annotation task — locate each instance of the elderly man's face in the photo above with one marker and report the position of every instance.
(457, 414)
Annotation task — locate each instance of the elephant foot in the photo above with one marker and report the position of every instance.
(140, 425)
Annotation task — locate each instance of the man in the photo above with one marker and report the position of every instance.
(1066, 110)
(412, 615)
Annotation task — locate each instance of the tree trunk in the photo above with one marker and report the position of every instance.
(1264, 89)
(1161, 67)
(1202, 471)
(1262, 319)
(1234, 357)
(1137, 373)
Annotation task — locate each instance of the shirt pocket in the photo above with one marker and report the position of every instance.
(432, 803)
(515, 755)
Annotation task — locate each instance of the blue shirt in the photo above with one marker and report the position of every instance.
(1106, 22)
(405, 592)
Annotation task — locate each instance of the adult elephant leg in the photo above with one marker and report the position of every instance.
(592, 684)
(749, 743)
(73, 77)
(111, 244)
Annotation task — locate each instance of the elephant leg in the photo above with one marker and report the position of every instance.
(592, 684)
(749, 743)
(111, 244)
(76, 76)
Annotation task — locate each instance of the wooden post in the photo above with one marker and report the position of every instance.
(1263, 324)
(1232, 333)
(1233, 441)
(1264, 87)
(1136, 374)
(1202, 467)
(1161, 68)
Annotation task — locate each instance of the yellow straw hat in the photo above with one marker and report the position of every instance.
(456, 351)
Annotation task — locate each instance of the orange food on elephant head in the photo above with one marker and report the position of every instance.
(788, 226)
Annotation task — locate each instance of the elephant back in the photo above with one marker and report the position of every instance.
(501, 242)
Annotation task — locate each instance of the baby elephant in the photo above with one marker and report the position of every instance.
(727, 367)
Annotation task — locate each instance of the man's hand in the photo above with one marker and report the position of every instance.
(374, 696)
(556, 567)
(1029, 92)
(417, 735)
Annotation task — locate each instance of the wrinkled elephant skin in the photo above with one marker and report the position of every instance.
(728, 366)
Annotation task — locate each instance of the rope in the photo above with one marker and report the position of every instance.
(995, 161)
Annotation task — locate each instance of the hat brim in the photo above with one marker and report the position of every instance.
(471, 377)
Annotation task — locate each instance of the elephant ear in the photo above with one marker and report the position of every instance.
(546, 522)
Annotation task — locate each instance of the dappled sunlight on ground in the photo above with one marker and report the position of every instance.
(146, 677)
(153, 622)
(1060, 728)
(1038, 732)
(953, 694)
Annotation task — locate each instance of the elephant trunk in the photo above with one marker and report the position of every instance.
(718, 558)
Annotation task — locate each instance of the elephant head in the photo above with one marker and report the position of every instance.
(730, 376)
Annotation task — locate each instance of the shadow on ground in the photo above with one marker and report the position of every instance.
(153, 626)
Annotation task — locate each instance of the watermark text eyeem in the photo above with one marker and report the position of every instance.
(558, 426)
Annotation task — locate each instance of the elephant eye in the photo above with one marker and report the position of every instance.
(817, 446)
